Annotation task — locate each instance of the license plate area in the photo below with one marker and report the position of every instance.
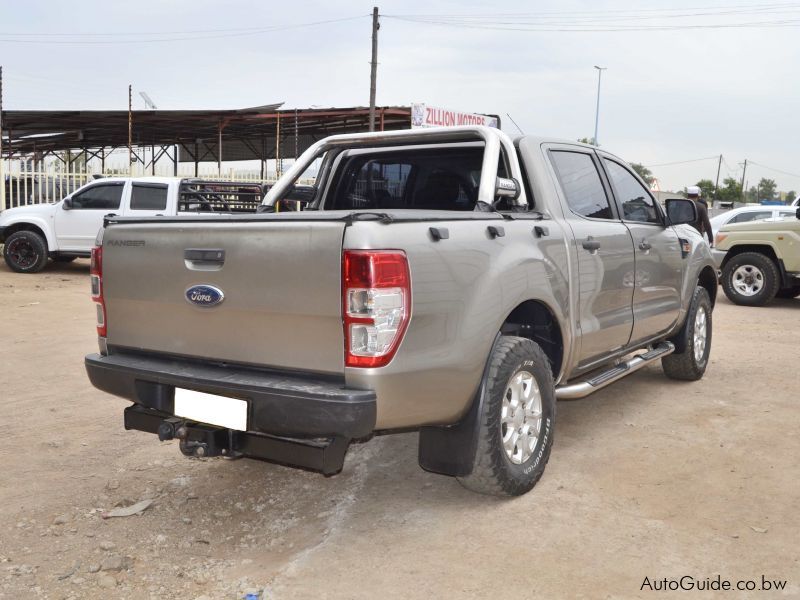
(212, 409)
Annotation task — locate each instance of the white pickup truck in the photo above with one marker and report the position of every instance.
(67, 229)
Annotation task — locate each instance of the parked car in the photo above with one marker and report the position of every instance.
(449, 281)
(750, 213)
(67, 229)
(759, 260)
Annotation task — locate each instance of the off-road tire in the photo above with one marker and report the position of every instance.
(64, 259)
(35, 245)
(764, 264)
(792, 292)
(684, 365)
(493, 472)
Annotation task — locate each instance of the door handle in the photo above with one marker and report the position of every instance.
(644, 245)
(591, 244)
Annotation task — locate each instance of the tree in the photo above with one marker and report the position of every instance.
(730, 190)
(585, 140)
(644, 173)
(706, 188)
(751, 195)
(767, 189)
(791, 195)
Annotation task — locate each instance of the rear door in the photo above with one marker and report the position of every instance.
(659, 262)
(603, 251)
(77, 227)
(150, 200)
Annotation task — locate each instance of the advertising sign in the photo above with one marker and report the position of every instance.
(423, 115)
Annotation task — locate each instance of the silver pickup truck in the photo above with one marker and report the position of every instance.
(449, 281)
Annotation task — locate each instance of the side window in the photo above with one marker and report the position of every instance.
(581, 184)
(99, 197)
(751, 216)
(637, 203)
(148, 197)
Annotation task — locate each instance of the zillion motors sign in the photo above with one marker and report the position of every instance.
(423, 115)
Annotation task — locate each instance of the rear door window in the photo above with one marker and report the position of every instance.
(581, 183)
(751, 216)
(147, 196)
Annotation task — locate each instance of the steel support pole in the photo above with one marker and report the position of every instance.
(597, 107)
(373, 71)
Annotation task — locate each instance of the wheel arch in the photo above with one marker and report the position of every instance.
(535, 320)
(766, 249)
(708, 280)
(29, 226)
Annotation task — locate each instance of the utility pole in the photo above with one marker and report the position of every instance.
(716, 184)
(742, 184)
(373, 71)
(597, 108)
(130, 129)
(2, 169)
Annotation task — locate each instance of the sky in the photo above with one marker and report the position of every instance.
(668, 95)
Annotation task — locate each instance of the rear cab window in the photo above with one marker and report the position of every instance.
(414, 178)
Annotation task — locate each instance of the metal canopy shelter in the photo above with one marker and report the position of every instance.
(258, 133)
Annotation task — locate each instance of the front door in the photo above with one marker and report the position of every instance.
(77, 226)
(659, 262)
(603, 252)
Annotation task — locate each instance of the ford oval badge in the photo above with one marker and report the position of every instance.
(205, 296)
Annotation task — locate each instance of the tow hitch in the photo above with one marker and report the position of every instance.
(325, 455)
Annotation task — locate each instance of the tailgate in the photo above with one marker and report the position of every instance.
(280, 281)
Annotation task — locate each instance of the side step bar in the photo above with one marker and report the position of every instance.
(572, 391)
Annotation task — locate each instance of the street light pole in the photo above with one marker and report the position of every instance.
(597, 109)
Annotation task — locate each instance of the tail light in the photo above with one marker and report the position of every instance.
(96, 273)
(376, 296)
(720, 237)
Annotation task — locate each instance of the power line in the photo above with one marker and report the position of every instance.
(774, 169)
(189, 36)
(682, 162)
(567, 29)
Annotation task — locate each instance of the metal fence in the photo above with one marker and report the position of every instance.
(24, 184)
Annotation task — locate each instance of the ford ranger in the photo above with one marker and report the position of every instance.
(66, 230)
(454, 281)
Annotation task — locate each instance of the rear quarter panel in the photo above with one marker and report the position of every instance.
(463, 288)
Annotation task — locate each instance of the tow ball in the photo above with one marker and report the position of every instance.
(194, 441)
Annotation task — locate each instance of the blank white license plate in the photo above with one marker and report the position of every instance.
(211, 409)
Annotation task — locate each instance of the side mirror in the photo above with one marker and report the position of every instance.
(681, 210)
(67, 204)
(506, 188)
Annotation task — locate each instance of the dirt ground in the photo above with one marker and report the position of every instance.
(648, 478)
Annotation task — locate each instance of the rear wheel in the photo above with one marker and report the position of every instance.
(694, 340)
(25, 252)
(516, 421)
(750, 279)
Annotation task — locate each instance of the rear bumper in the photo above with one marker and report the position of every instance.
(284, 404)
